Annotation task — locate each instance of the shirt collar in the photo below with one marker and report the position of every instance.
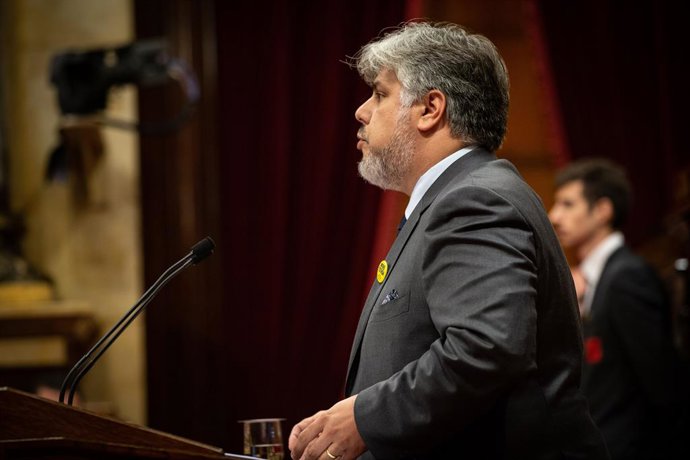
(593, 264)
(430, 176)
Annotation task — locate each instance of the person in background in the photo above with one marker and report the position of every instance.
(630, 368)
(469, 344)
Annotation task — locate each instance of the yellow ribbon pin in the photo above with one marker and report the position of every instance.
(381, 272)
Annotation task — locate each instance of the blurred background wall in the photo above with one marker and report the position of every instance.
(267, 167)
(83, 228)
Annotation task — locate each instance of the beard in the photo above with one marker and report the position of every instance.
(387, 167)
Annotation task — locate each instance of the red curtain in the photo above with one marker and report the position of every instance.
(298, 218)
(619, 71)
(268, 331)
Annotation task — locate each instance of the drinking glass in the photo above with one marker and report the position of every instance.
(263, 438)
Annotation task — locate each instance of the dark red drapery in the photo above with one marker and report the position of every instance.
(298, 219)
(268, 168)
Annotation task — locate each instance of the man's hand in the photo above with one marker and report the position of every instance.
(332, 431)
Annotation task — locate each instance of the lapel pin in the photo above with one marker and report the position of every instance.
(381, 272)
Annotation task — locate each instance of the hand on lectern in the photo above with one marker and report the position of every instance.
(328, 434)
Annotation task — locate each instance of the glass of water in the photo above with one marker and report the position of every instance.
(263, 438)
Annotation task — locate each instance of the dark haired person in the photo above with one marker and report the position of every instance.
(469, 344)
(629, 371)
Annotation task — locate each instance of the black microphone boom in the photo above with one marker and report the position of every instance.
(199, 252)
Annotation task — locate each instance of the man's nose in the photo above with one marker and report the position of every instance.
(553, 215)
(363, 113)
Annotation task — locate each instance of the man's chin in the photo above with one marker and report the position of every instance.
(370, 177)
(565, 242)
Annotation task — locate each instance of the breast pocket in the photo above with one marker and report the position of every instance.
(391, 309)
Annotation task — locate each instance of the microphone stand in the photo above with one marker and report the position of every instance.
(200, 251)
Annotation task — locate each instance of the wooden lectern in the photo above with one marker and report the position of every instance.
(36, 428)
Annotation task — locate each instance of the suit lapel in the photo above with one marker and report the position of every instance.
(458, 170)
(605, 278)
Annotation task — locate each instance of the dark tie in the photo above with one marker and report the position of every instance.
(402, 223)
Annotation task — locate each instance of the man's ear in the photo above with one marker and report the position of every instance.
(603, 211)
(432, 111)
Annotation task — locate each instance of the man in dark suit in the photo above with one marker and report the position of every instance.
(468, 345)
(629, 370)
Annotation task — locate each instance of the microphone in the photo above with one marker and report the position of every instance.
(199, 252)
(202, 250)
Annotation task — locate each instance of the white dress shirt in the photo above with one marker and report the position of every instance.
(430, 176)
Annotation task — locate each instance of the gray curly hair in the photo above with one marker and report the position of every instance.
(465, 67)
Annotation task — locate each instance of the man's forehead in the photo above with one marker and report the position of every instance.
(572, 188)
(385, 77)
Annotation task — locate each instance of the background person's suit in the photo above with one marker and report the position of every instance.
(471, 347)
(630, 373)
